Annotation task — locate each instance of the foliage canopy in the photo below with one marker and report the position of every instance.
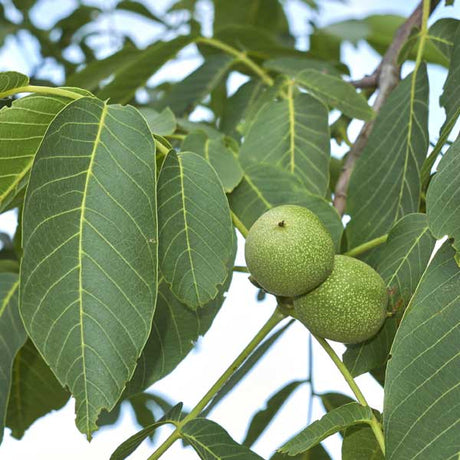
(128, 211)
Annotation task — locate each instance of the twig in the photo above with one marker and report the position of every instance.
(369, 81)
(385, 77)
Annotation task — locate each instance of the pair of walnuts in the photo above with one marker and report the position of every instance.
(289, 253)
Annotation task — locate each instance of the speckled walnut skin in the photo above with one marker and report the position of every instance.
(349, 307)
(289, 251)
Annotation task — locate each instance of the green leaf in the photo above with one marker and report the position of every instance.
(352, 30)
(138, 8)
(218, 155)
(292, 134)
(438, 44)
(109, 418)
(144, 414)
(187, 93)
(195, 228)
(22, 127)
(443, 197)
(449, 98)
(382, 29)
(126, 448)
(317, 452)
(397, 145)
(128, 78)
(34, 391)
(243, 370)
(254, 40)
(89, 269)
(11, 266)
(265, 95)
(336, 93)
(212, 442)
(264, 186)
(267, 14)
(262, 418)
(334, 421)
(12, 337)
(98, 70)
(237, 106)
(293, 66)
(441, 40)
(161, 123)
(422, 391)
(11, 80)
(451, 103)
(359, 443)
(401, 263)
(333, 400)
(23, 5)
(207, 128)
(324, 46)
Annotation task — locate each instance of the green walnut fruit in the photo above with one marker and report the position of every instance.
(349, 307)
(289, 251)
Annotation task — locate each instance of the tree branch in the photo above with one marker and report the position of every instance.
(385, 77)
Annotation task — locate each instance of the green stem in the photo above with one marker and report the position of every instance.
(423, 34)
(241, 56)
(239, 225)
(239, 268)
(43, 90)
(358, 250)
(276, 317)
(179, 137)
(374, 423)
(163, 150)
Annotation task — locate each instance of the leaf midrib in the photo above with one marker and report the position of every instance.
(406, 256)
(291, 128)
(187, 239)
(97, 140)
(8, 297)
(408, 143)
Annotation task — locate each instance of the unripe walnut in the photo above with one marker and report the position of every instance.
(349, 307)
(289, 251)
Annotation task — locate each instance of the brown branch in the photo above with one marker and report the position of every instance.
(369, 81)
(385, 77)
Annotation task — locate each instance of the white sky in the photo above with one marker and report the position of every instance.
(55, 436)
